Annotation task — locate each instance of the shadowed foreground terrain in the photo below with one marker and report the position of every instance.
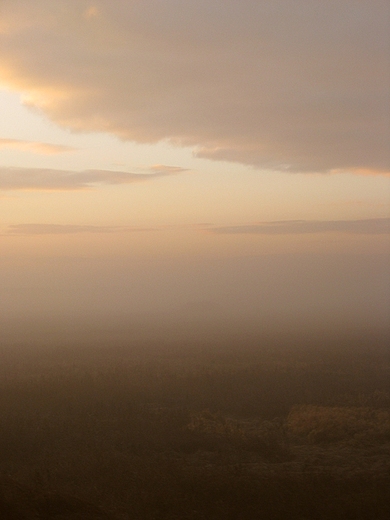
(199, 425)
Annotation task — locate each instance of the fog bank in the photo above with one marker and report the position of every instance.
(78, 295)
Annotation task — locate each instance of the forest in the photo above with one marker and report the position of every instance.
(197, 425)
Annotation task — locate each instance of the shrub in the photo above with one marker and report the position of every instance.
(332, 424)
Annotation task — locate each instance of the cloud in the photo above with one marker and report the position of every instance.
(162, 169)
(374, 226)
(67, 229)
(47, 179)
(34, 147)
(290, 85)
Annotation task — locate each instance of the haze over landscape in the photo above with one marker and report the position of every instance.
(194, 259)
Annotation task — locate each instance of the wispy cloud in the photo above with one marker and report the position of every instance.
(50, 179)
(291, 85)
(374, 226)
(34, 147)
(162, 169)
(67, 229)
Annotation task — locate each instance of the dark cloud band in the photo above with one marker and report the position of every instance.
(375, 226)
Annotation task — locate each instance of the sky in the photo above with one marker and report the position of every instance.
(213, 157)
